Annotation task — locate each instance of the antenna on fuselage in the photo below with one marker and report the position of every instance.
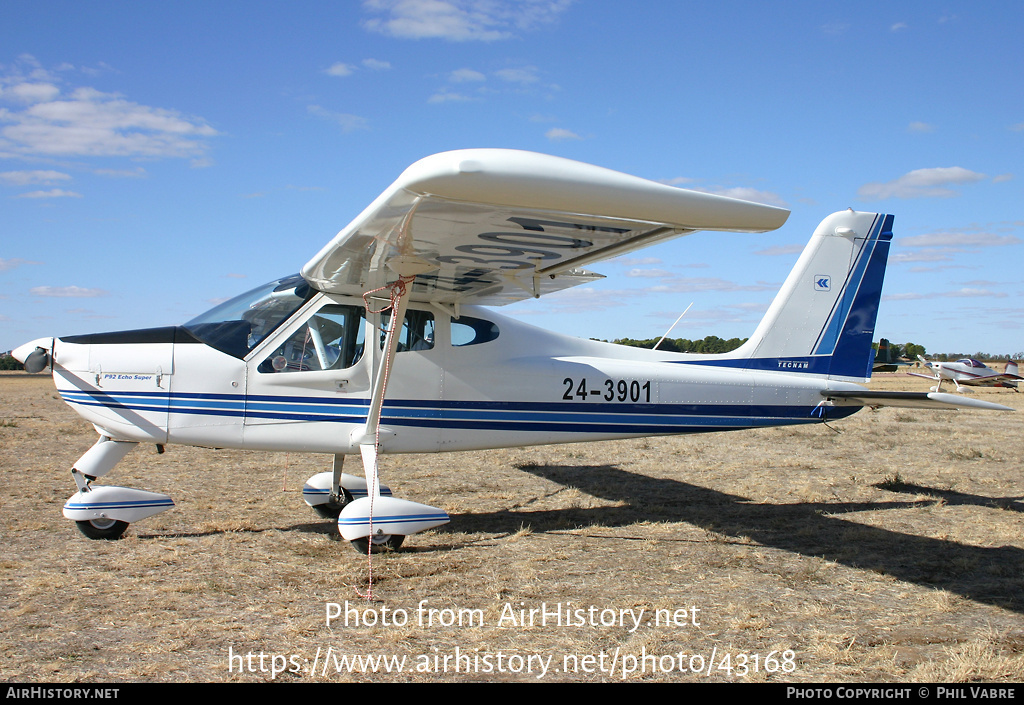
(671, 327)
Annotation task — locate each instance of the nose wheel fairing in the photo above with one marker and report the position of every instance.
(100, 504)
(105, 512)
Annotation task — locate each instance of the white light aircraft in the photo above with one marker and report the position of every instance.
(970, 373)
(316, 363)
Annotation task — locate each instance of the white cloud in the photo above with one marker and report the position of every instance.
(460, 20)
(466, 76)
(523, 76)
(558, 134)
(946, 247)
(48, 120)
(136, 173)
(921, 183)
(635, 261)
(522, 79)
(968, 292)
(693, 284)
(649, 273)
(66, 291)
(30, 92)
(347, 122)
(376, 64)
(924, 255)
(24, 178)
(921, 127)
(677, 181)
(579, 299)
(446, 96)
(958, 240)
(897, 26)
(745, 193)
(52, 193)
(340, 70)
(8, 264)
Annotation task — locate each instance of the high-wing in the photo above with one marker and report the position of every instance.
(494, 226)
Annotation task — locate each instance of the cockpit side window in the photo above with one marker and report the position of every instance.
(472, 331)
(237, 326)
(333, 338)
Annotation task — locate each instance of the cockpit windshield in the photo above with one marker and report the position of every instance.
(237, 326)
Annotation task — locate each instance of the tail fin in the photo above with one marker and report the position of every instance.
(822, 321)
(1011, 368)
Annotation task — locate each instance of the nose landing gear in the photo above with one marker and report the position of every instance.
(103, 513)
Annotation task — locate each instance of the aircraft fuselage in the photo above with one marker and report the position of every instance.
(166, 386)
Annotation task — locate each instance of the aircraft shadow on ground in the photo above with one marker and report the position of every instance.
(988, 575)
(951, 497)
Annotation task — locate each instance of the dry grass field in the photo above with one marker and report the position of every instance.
(892, 550)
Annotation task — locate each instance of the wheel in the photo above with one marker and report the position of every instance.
(328, 510)
(105, 529)
(381, 544)
(331, 510)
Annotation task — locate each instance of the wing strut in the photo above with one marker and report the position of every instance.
(376, 523)
(371, 432)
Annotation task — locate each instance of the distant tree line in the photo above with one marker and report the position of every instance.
(712, 344)
(8, 362)
(910, 351)
(982, 356)
(907, 350)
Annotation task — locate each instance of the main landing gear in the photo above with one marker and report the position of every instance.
(377, 521)
(377, 526)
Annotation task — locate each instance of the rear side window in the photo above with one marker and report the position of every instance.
(472, 331)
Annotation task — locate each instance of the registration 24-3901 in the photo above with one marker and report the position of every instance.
(608, 390)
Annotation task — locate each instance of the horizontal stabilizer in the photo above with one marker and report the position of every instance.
(909, 400)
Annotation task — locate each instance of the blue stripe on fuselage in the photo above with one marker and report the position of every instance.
(480, 415)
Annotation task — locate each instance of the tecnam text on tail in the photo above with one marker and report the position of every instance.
(313, 362)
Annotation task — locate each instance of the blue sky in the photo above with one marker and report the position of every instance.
(156, 158)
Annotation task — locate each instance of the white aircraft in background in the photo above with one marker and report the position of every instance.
(971, 373)
(315, 363)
